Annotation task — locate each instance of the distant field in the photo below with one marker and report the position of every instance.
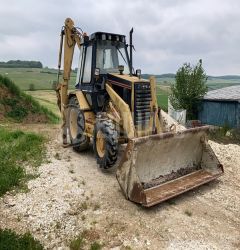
(47, 98)
(163, 86)
(212, 82)
(162, 96)
(41, 78)
(216, 83)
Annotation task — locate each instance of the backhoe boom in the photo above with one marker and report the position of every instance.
(70, 36)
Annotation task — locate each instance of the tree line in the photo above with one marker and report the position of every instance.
(21, 64)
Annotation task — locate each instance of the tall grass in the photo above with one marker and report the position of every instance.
(9, 240)
(18, 148)
(22, 104)
(10, 85)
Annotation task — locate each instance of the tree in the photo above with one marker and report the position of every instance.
(21, 64)
(189, 88)
(31, 87)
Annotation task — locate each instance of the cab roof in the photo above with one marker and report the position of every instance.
(107, 36)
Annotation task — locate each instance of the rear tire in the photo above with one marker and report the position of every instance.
(76, 125)
(105, 143)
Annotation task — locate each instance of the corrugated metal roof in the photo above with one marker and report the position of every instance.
(225, 94)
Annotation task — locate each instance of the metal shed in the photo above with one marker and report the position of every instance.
(221, 107)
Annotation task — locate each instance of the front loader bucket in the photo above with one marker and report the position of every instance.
(158, 167)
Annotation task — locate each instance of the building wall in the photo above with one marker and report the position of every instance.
(238, 115)
(220, 113)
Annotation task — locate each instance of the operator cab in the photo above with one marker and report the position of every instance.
(100, 54)
(111, 53)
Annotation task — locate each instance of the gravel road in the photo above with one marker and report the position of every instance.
(71, 196)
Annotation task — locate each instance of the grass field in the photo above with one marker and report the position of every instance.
(212, 82)
(216, 83)
(162, 96)
(46, 98)
(17, 106)
(18, 148)
(40, 78)
(163, 86)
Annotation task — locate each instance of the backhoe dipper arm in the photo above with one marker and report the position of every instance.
(69, 37)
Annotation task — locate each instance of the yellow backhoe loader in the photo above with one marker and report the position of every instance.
(113, 105)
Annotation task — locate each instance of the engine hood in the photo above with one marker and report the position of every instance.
(124, 79)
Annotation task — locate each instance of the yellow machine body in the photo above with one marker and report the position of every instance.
(162, 159)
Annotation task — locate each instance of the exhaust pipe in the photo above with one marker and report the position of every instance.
(131, 48)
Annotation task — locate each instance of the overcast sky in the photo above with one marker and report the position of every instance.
(167, 33)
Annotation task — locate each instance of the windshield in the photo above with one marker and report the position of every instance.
(110, 55)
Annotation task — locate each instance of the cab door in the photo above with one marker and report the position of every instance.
(86, 80)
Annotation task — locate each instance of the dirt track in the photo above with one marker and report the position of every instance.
(72, 195)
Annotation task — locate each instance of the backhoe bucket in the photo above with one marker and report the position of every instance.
(158, 167)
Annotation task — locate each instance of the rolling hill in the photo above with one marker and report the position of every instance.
(17, 106)
(43, 79)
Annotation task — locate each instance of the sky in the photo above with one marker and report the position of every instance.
(167, 33)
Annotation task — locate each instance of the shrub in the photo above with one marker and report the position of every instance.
(189, 89)
(31, 87)
(9, 240)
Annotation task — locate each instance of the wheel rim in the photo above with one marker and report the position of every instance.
(73, 123)
(100, 144)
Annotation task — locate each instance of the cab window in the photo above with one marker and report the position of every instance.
(110, 55)
(87, 66)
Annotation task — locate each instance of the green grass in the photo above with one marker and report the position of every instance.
(95, 246)
(18, 148)
(9, 240)
(77, 243)
(212, 82)
(22, 104)
(46, 98)
(82, 241)
(188, 213)
(162, 97)
(164, 83)
(40, 78)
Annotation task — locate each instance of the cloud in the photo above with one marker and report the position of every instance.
(166, 33)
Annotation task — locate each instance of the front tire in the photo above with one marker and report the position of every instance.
(105, 143)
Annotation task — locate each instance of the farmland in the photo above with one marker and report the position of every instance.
(46, 98)
(42, 81)
(213, 82)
